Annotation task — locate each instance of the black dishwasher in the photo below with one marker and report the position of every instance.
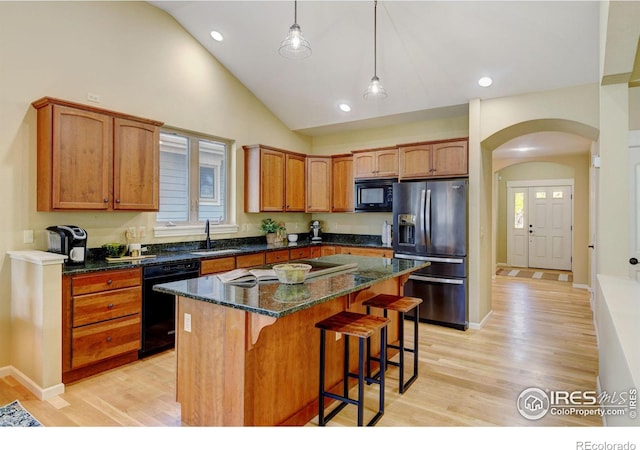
(159, 309)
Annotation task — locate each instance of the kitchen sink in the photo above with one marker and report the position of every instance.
(215, 252)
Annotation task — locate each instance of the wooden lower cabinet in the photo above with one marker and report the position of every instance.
(217, 265)
(253, 259)
(365, 251)
(277, 256)
(101, 321)
(300, 253)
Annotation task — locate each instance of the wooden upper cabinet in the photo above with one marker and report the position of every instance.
(433, 159)
(415, 161)
(274, 179)
(451, 158)
(272, 170)
(136, 165)
(319, 184)
(377, 163)
(93, 159)
(295, 177)
(342, 183)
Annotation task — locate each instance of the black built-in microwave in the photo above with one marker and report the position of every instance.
(374, 195)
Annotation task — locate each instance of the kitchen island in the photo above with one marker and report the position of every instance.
(248, 355)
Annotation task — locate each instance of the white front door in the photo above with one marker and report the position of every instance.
(634, 189)
(517, 223)
(550, 227)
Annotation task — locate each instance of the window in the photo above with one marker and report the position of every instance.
(194, 179)
(518, 210)
(541, 194)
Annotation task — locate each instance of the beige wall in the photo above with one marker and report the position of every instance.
(141, 62)
(570, 167)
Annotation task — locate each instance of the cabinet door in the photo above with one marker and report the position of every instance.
(295, 182)
(364, 165)
(342, 184)
(81, 159)
(318, 184)
(415, 161)
(450, 158)
(272, 170)
(387, 163)
(136, 165)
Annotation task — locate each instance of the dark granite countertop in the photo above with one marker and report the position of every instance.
(278, 300)
(182, 252)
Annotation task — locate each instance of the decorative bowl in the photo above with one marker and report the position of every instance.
(293, 237)
(291, 273)
(115, 249)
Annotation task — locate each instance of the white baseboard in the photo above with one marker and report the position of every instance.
(34, 388)
(599, 390)
(478, 326)
(581, 286)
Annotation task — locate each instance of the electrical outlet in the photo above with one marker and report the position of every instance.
(27, 236)
(338, 336)
(187, 322)
(93, 97)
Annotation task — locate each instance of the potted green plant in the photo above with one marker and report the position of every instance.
(272, 229)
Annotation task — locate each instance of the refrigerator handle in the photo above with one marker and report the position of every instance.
(422, 216)
(427, 222)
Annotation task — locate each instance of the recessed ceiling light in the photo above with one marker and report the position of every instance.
(485, 81)
(344, 107)
(217, 36)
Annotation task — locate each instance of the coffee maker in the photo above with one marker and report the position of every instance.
(68, 240)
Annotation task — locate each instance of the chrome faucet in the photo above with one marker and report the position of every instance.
(208, 239)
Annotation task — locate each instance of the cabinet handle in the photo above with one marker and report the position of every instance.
(105, 200)
(110, 306)
(108, 338)
(109, 281)
(117, 200)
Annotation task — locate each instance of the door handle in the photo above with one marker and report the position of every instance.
(592, 246)
(633, 261)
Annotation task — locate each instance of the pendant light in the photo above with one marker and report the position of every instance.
(375, 89)
(295, 46)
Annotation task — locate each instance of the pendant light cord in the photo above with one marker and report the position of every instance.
(295, 11)
(375, 37)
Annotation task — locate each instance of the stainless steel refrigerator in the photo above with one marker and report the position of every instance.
(430, 224)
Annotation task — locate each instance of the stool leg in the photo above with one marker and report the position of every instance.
(361, 344)
(345, 367)
(414, 376)
(368, 352)
(401, 337)
(321, 421)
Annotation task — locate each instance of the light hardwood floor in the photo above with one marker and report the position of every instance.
(540, 334)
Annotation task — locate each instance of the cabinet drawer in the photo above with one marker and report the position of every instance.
(255, 259)
(277, 256)
(105, 281)
(361, 251)
(316, 252)
(103, 340)
(299, 253)
(217, 265)
(102, 306)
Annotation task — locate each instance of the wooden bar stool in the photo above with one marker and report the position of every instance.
(362, 326)
(402, 305)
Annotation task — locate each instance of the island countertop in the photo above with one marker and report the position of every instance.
(278, 300)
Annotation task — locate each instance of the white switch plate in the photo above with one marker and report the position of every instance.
(338, 336)
(27, 236)
(187, 322)
(93, 97)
